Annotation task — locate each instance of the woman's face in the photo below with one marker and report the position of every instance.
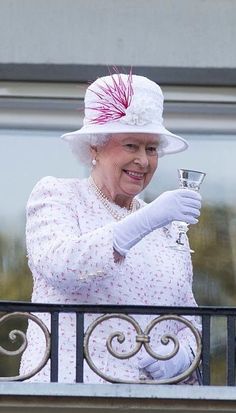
(125, 165)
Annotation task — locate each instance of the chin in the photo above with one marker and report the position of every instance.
(134, 191)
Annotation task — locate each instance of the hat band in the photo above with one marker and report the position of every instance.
(141, 111)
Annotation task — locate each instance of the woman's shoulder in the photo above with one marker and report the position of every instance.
(51, 185)
(55, 182)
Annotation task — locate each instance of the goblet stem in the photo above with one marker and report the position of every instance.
(183, 228)
(179, 240)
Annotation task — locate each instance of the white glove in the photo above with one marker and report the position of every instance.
(177, 205)
(165, 369)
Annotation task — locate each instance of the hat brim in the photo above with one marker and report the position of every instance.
(171, 143)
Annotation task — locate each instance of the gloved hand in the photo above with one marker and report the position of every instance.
(177, 205)
(165, 369)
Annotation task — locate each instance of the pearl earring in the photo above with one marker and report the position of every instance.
(94, 162)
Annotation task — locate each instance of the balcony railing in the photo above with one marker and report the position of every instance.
(13, 312)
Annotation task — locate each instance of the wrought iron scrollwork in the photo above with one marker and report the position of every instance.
(18, 334)
(143, 339)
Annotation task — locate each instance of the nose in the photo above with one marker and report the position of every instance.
(142, 159)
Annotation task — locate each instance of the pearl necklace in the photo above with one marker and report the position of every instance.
(108, 204)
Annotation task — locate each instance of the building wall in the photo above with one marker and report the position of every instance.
(149, 33)
(50, 49)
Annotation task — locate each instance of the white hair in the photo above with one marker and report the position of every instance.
(81, 147)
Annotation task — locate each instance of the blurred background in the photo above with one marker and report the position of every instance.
(49, 52)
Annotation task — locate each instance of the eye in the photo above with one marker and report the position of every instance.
(130, 146)
(152, 150)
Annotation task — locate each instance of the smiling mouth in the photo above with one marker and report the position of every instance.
(135, 175)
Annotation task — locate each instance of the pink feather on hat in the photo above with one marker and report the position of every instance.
(113, 99)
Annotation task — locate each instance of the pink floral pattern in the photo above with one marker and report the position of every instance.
(69, 238)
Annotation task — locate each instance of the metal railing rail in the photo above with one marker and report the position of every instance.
(24, 309)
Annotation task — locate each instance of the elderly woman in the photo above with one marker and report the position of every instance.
(93, 241)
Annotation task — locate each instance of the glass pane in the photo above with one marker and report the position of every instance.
(28, 156)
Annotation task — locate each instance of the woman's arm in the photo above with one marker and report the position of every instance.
(56, 247)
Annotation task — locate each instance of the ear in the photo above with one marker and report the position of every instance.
(94, 152)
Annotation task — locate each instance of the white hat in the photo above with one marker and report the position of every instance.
(122, 103)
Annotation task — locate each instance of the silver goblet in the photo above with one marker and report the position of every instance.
(188, 179)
